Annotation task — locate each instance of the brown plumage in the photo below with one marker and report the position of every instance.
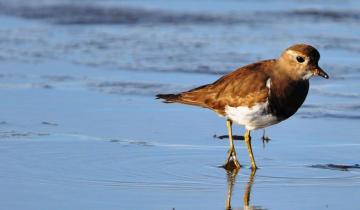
(260, 94)
(243, 87)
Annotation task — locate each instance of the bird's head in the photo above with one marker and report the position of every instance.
(301, 61)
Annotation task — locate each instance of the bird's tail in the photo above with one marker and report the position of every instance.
(195, 97)
(169, 98)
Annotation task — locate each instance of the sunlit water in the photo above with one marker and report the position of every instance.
(80, 129)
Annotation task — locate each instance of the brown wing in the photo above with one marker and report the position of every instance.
(242, 87)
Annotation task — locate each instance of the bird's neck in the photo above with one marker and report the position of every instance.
(287, 93)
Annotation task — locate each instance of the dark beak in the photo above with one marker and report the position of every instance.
(318, 71)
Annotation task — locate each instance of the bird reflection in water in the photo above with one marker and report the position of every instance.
(231, 180)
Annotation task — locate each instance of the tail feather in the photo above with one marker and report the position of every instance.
(183, 98)
(169, 98)
(196, 97)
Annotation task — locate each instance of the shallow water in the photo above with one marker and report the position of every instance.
(80, 128)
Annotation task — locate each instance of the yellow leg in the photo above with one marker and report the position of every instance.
(231, 152)
(231, 179)
(248, 146)
(247, 192)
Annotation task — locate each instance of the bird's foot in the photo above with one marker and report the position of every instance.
(231, 162)
(231, 165)
(265, 138)
(254, 167)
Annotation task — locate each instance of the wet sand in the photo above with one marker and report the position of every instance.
(80, 127)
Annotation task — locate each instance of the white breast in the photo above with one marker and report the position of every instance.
(252, 118)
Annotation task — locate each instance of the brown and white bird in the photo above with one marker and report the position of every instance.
(257, 95)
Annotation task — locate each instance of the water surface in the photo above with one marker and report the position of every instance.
(80, 128)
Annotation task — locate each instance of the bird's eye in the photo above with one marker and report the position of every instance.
(300, 59)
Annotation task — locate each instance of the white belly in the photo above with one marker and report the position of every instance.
(252, 118)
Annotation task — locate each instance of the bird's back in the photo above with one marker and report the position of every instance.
(245, 86)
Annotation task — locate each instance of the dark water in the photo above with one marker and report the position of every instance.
(80, 128)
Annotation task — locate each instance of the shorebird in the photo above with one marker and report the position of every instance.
(257, 95)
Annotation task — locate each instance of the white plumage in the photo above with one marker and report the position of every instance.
(254, 117)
